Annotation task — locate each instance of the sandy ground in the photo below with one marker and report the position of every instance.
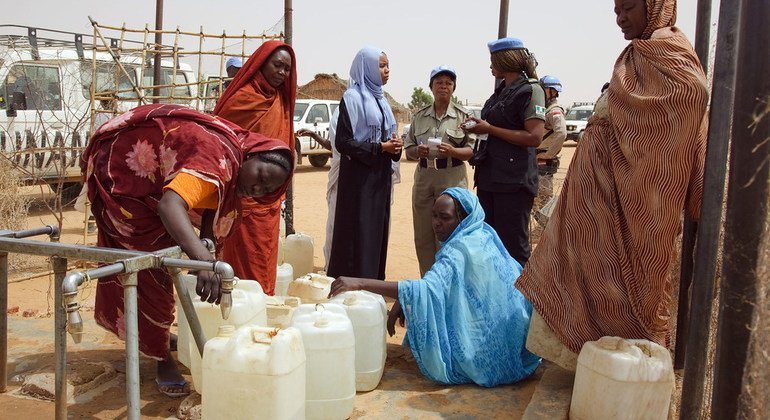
(403, 392)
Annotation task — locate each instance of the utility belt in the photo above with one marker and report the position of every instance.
(440, 163)
(547, 166)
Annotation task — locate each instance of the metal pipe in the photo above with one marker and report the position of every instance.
(158, 43)
(707, 246)
(746, 221)
(131, 317)
(3, 320)
(502, 28)
(49, 230)
(189, 310)
(70, 292)
(60, 339)
(690, 227)
(225, 271)
(288, 33)
(79, 252)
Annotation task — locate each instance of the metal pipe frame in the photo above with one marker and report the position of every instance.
(67, 316)
(697, 326)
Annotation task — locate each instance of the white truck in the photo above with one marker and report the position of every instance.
(313, 115)
(577, 119)
(45, 100)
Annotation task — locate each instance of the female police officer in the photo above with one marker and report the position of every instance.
(506, 166)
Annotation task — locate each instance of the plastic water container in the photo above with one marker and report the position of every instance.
(248, 309)
(298, 251)
(284, 276)
(368, 314)
(280, 310)
(281, 253)
(622, 379)
(311, 288)
(330, 349)
(254, 372)
(183, 328)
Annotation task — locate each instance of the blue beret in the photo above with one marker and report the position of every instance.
(234, 62)
(505, 44)
(442, 69)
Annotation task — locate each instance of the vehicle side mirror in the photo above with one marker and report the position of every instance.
(318, 120)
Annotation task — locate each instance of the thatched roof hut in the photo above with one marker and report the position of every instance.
(331, 86)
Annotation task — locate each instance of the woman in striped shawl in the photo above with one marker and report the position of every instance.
(602, 266)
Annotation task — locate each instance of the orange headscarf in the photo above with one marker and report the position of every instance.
(253, 104)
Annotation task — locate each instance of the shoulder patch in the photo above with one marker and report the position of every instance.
(540, 111)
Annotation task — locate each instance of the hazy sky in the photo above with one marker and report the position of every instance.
(577, 41)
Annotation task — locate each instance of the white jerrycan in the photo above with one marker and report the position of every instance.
(298, 251)
(368, 314)
(248, 309)
(330, 349)
(284, 276)
(254, 372)
(311, 288)
(622, 379)
(184, 337)
(280, 310)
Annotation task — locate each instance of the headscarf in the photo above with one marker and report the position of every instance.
(364, 94)
(250, 102)
(212, 149)
(466, 322)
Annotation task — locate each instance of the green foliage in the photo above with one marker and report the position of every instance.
(420, 98)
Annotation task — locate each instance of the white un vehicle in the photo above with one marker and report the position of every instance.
(46, 86)
(313, 115)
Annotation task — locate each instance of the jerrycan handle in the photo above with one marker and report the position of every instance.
(264, 335)
(321, 320)
(621, 345)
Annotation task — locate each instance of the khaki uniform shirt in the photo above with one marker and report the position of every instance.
(426, 124)
(554, 120)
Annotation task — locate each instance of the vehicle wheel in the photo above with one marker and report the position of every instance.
(318, 161)
(69, 192)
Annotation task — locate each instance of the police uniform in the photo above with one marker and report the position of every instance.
(548, 156)
(433, 175)
(506, 174)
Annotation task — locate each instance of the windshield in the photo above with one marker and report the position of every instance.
(299, 111)
(579, 114)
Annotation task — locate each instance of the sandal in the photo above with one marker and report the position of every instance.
(183, 384)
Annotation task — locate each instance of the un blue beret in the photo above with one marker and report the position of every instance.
(505, 44)
(443, 70)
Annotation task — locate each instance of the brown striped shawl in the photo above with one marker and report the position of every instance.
(602, 265)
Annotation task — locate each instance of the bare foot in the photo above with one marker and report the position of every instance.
(172, 341)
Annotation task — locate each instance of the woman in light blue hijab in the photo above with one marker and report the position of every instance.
(466, 322)
(367, 142)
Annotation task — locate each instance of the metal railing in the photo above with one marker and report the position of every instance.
(125, 263)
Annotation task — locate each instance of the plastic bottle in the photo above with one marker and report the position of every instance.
(254, 372)
(311, 288)
(248, 309)
(622, 379)
(368, 314)
(284, 276)
(329, 343)
(298, 251)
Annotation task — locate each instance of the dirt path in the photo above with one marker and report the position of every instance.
(402, 393)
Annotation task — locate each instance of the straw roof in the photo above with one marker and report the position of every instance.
(331, 87)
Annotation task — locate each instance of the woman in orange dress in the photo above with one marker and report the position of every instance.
(260, 99)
